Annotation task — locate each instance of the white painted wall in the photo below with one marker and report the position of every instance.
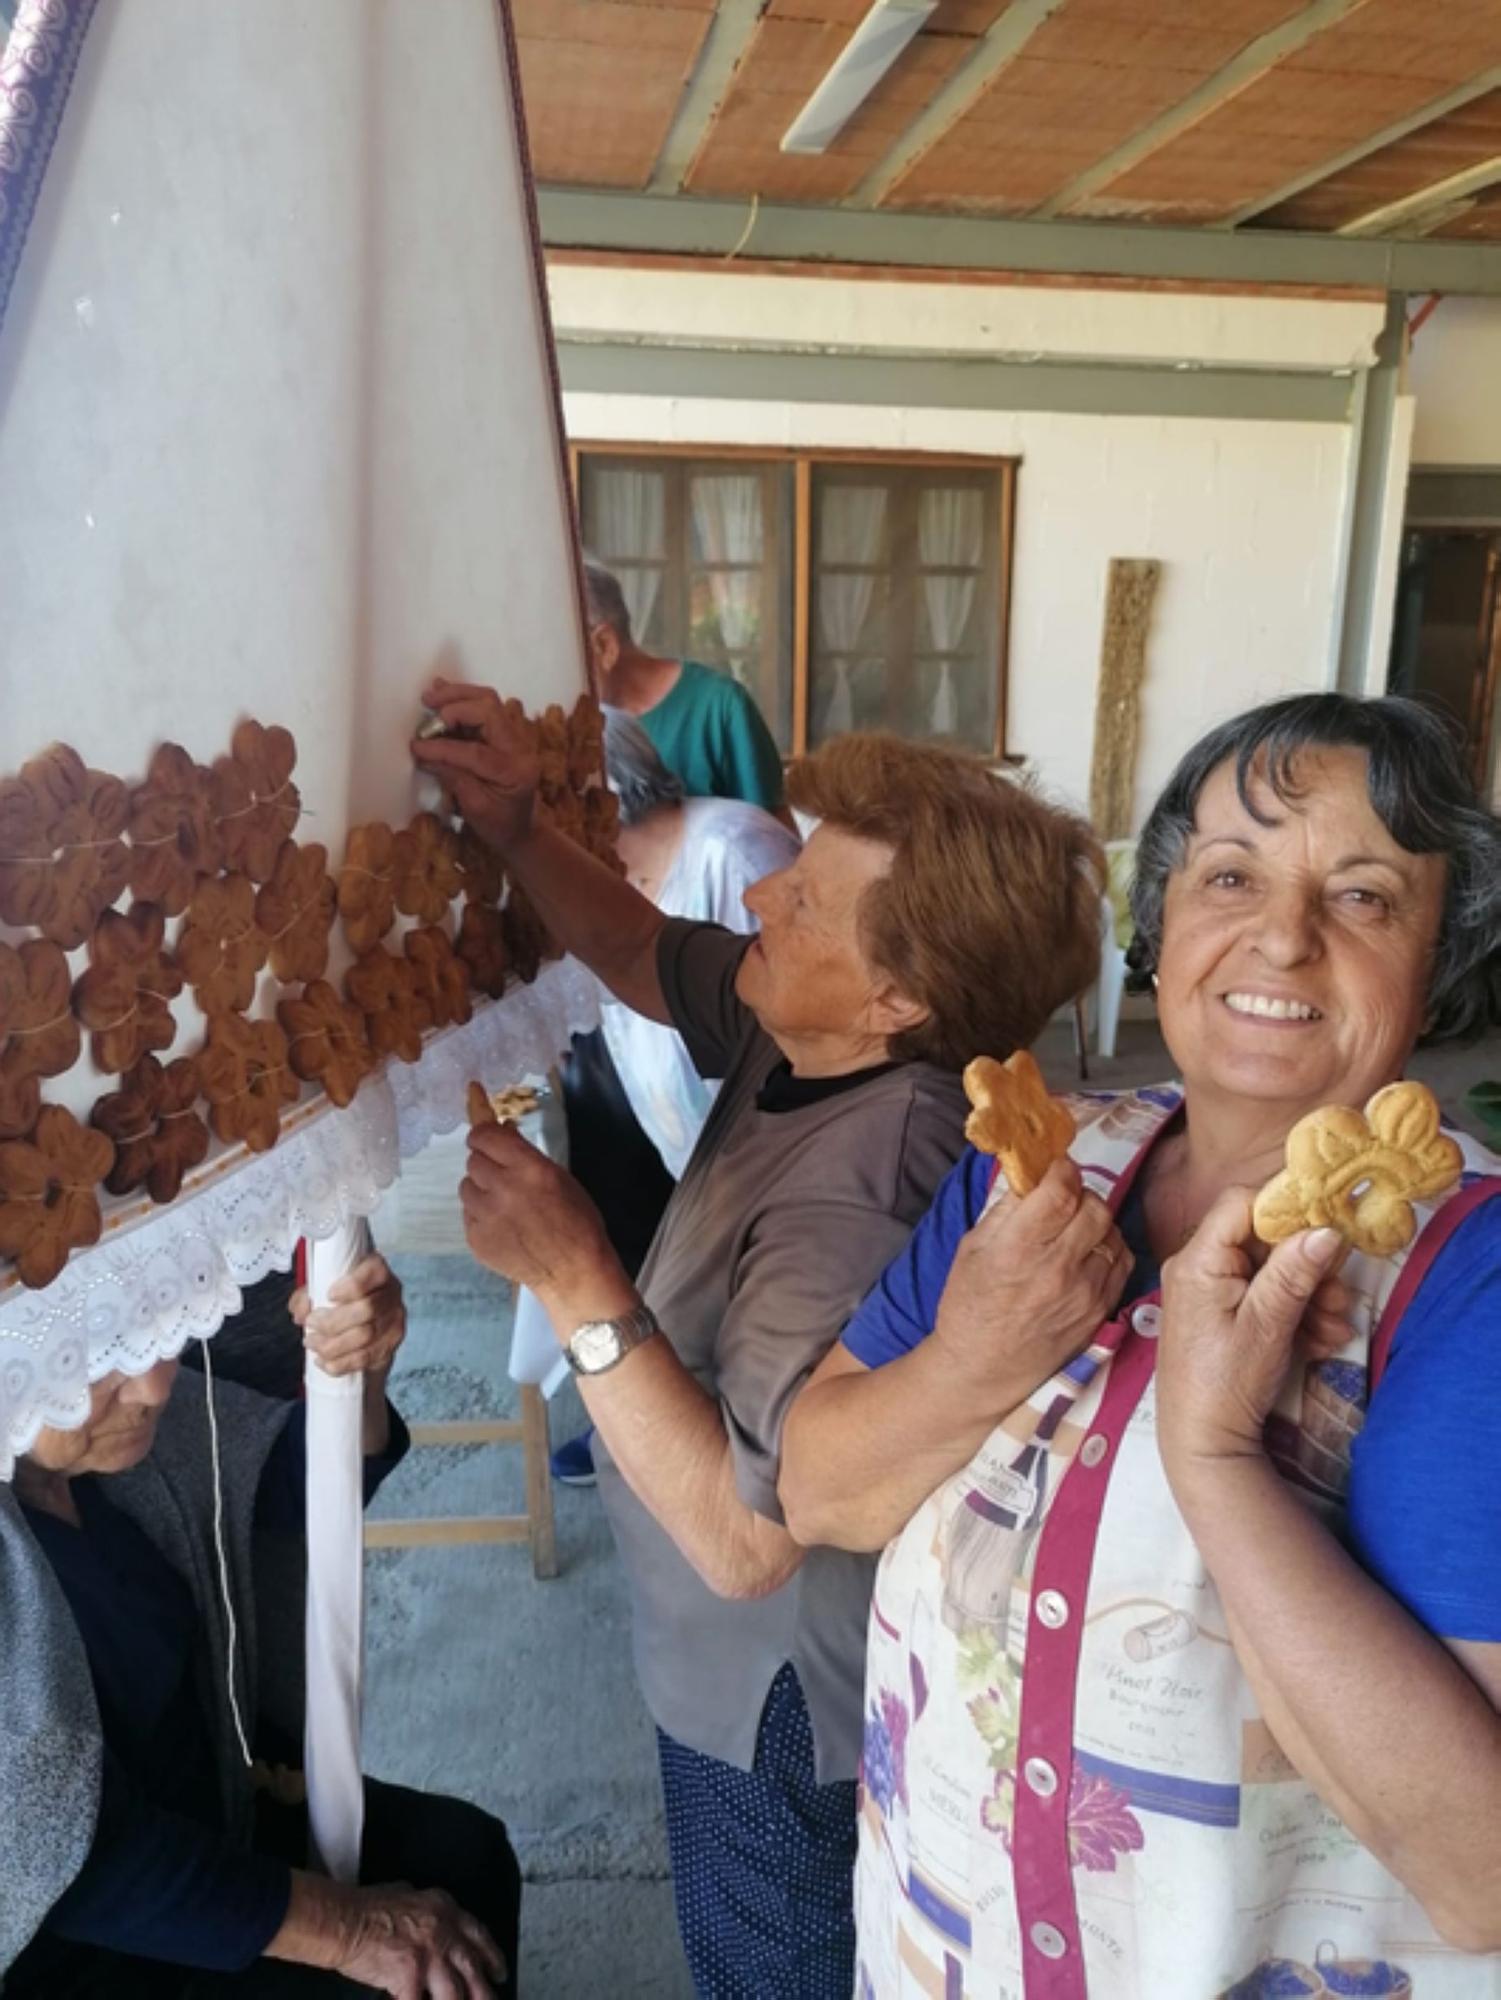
(1455, 373)
(1248, 517)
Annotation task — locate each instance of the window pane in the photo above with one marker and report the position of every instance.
(704, 547)
(906, 602)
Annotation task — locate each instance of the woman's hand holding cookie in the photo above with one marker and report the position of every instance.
(1032, 1282)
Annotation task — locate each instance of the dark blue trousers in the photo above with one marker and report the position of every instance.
(763, 1863)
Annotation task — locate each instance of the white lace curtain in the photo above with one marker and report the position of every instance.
(851, 524)
(950, 535)
(729, 527)
(631, 520)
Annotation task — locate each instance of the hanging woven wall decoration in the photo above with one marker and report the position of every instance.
(1130, 591)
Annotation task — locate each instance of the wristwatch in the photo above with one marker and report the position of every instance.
(600, 1344)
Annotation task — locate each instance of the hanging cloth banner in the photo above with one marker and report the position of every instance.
(279, 438)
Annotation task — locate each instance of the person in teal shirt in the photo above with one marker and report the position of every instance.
(703, 724)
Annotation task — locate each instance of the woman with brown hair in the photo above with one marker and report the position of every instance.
(837, 1035)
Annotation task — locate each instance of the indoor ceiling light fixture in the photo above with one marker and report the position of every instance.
(875, 45)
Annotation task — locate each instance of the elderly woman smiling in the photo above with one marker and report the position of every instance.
(1185, 1652)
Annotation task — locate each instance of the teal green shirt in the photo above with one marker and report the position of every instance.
(708, 730)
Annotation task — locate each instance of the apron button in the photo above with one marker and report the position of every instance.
(1052, 1609)
(1049, 1940)
(1040, 1776)
(1094, 1448)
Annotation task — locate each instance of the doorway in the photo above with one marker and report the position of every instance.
(1446, 639)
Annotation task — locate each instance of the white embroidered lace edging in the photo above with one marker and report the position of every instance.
(140, 1295)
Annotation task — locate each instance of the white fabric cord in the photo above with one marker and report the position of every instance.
(335, 1582)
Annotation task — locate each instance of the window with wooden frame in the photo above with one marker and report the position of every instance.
(846, 590)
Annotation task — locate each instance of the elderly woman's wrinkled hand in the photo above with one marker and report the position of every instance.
(363, 1324)
(527, 1218)
(1031, 1282)
(1231, 1330)
(491, 773)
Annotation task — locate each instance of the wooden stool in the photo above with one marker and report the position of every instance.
(529, 1430)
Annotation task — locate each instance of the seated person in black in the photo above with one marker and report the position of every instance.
(190, 1885)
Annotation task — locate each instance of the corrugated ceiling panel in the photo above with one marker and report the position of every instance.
(601, 81)
(1090, 77)
(786, 61)
(1378, 65)
(1448, 146)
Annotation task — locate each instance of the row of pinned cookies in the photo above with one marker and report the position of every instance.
(155, 1127)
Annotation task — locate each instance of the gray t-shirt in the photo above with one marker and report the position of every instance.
(796, 1198)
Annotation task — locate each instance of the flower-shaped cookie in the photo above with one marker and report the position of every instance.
(552, 751)
(387, 992)
(222, 947)
(49, 1194)
(247, 1078)
(442, 976)
(156, 1131)
(481, 870)
(62, 861)
(482, 946)
(174, 834)
(1360, 1172)
(367, 889)
(38, 1034)
(526, 936)
(1015, 1119)
(123, 997)
(601, 825)
(426, 869)
(566, 813)
(326, 1041)
(257, 804)
(586, 744)
(295, 910)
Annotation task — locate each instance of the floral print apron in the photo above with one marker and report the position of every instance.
(1067, 1789)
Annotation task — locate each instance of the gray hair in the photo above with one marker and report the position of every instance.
(1419, 789)
(604, 600)
(638, 777)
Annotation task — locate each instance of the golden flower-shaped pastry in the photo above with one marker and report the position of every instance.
(326, 1041)
(426, 869)
(62, 861)
(586, 744)
(388, 993)
(257, 804)
(123, 997)
(481, 870)
(155, 1129)
(442, 976)
(482, 946)
(247, 1078)
(526, 936)
(552, 751)
(49, 1194)
(38, 1033)
(601, 825)
(367, 887)
(295, 910)
(174, 833)
(222, 947)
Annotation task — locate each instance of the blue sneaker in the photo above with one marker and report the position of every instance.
(573, 1463)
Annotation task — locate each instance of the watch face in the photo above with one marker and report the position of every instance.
(595, 1345)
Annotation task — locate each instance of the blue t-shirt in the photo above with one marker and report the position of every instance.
(1424, 1498)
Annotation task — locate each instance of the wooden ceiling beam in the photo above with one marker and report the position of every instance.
(728, 39)
(999, 45)
(1427, 207)
(1253, 62)
(1389, 135)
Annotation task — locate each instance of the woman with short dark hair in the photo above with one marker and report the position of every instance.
(1185, 1653)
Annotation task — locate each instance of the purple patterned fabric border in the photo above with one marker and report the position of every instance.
(36, 72)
